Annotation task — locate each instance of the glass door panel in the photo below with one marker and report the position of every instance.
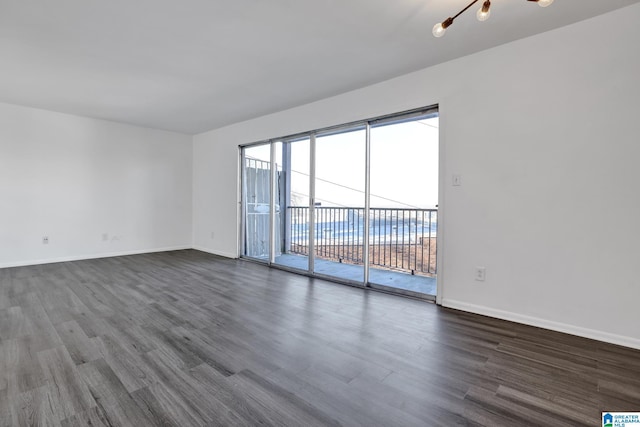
(404, 197)
(292, 223)
(339, 204)
(256, 196)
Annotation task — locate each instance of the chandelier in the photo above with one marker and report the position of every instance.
(483, 14)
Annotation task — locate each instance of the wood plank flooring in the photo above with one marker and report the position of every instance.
(189, 339)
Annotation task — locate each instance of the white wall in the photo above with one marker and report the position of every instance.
(73, 179)
(544, 132)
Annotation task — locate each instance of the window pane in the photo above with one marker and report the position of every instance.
(340, 199)
(256, 196)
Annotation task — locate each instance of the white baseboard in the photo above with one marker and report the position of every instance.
(545, 324)
(92, 256)
(214, 252)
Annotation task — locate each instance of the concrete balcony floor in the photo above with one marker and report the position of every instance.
(391, 280)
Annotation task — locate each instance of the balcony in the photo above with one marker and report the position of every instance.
(402, 245)
(402, 240)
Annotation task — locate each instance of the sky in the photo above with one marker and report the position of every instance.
(404, 166)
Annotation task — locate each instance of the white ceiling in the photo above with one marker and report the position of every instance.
(195, 65)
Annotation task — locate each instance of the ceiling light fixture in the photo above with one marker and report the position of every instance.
(483, 14)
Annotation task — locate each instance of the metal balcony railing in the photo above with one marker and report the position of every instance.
(399, 239)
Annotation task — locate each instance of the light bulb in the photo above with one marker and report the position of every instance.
(483, 16)
(439, 30)
(484, 12)
(544, 3)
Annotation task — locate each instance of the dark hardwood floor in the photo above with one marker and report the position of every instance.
(187, 339)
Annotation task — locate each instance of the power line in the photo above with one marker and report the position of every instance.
(347, 187)
(427, 124)
(328, 201)
(355, 189)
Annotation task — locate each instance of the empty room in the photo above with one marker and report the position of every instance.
(291, 213)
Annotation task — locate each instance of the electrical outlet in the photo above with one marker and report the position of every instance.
(481, 274)
(45, 240)
(105, 237)
(456, 180)
(213, 235)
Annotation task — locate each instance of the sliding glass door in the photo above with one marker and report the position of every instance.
(339, 204)
(293, 186)
(356, 203)
(404, 199)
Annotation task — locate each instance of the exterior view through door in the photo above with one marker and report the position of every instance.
(355, 204)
